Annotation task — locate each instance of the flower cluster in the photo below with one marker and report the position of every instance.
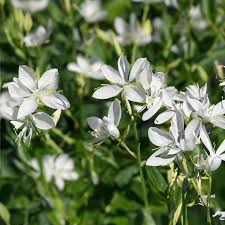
(188, 112)
(27, 98)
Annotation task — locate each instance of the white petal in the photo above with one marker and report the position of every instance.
(73, 67)
(112, 75)
(43, 121)
(17, 92)
(163, 117)
(49, 80)
(206, 140)
(17, 124)
(152, 110)
(191, 133)
(145, 76)
(59, 183)
(123, 67)
(195, 104)
(219, 109)
(221, 149)
(159, 137)
(26, 77)
(113, 130)
(160, 158)
(114, 113)
(55, 100)
(107, 91)
(137, 68)
(94, 122)
(28, 106)
(134, 93)
(218, 121)
(120, 25)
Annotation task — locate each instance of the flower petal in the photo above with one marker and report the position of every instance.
(159, 137)
(206, 140)
(160, 158)
(218, 121)
(55, 100)
(49, 80)
(112, 75)
(152, 110)
(17, 92)
(107, 91)
(221, 148)
(114, 113)
(137, 68)
(219, 109)
(27, 78)
(94, 122)
(43, 121)
(28, 106)
(134, 93)
(163, 117)
(123, 67)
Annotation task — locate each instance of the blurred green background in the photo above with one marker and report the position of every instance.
(109, 188)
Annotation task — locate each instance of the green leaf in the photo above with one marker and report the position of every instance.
(4, 214)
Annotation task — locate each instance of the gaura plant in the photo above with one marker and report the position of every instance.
(188, 112)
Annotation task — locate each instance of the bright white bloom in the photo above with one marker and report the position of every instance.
(132, 32)
(39, 37)
(220, 214)
(106, 127)
(30, 5)
(6, 104)
(87, 67)
(122, 80)
(30, 123)
(60, 168)
(214, 159)
(91, 11)
(173, 142)
(197, 20)
(30, 91)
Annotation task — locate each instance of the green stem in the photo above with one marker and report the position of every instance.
(123, 144)
(145, 194)
(133, 54)
(145, 13)
(208, 200)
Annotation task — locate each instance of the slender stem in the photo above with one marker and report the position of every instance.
(133, 54)
(145, 13)
(145, 194)
(123, 144)
(208, 200)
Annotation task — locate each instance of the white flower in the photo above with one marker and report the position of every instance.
(197, 20)
(214, 159)
(91, 11)
(173, 142)
(132, 32)
(60, 168)
(87, 67)
(26, 125)
(6, 104)
(220, 214)
(167, 2)
(30, 91)
(152, 92)
(39, 37)
(30, 5)
(106, 127)
(122, 80)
